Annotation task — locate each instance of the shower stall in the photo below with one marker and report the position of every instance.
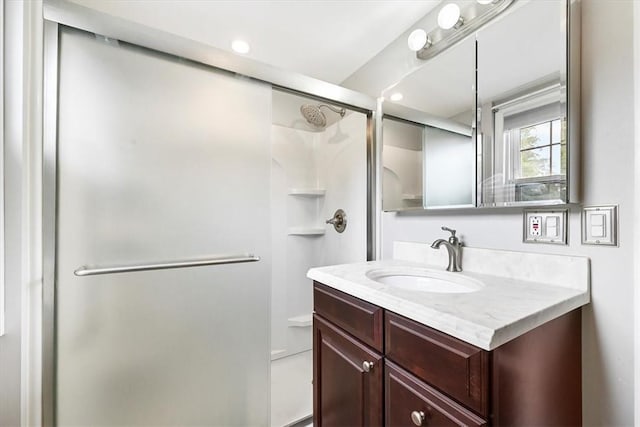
(183, 207)
(318, 166)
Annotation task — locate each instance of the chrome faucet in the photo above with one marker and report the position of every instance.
(454, 247)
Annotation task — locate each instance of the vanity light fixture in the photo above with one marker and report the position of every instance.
(454, 24)
(449, 17)
(240, 46)
(418, 40)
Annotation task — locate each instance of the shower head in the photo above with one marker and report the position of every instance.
(314, 116)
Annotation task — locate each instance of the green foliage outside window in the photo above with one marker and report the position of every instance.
(543, 149)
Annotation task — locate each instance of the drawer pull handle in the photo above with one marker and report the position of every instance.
(417, 417)
(367, 366)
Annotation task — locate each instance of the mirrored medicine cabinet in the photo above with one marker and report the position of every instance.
(490, 121)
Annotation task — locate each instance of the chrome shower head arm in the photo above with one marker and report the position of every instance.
(340, 111)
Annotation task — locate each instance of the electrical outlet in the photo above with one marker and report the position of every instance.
(535, 225)
(545, 226)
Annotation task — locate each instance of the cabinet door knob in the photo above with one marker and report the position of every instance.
(367, 366)
(417, 417)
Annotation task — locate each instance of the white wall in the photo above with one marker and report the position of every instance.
(636, 39)
(294, 166)
(10, 343)
(20, 346)
(342, 167)
(608, 168)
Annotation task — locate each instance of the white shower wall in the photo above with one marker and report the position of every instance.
(293, 167)
(333, 160)
(342, 167)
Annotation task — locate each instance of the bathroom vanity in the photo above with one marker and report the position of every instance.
(506, 353)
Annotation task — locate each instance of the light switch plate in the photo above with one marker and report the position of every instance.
(600, 225)
(545, 226)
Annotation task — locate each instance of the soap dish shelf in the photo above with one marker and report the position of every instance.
(305, 231)
(303, 321)
(307, 192)
(408, 196)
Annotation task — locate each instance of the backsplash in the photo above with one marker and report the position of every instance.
(558, 270)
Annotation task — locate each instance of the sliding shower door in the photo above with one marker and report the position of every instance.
(160, 161)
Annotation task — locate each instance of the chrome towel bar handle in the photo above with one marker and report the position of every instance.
(216, 260)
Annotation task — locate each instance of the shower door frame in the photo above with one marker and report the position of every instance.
(57, 14)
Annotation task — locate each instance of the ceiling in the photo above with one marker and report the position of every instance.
(325, 39)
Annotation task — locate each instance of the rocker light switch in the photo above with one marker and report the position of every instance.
(552, 226)
(599, 225)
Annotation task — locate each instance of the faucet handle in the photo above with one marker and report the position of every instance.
(450, 230)
(452, 239)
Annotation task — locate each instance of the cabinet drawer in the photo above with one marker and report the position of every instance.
(359, 318)
(410, 401)
(454, 367)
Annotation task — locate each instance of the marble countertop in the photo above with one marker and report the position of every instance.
(504, 308)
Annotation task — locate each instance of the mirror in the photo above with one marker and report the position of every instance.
(522, 105)
(523, 150)
(434, 122)
(402, 164)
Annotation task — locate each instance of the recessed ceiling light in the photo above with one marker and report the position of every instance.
(396, 97)
(485, 1)
(240, 46)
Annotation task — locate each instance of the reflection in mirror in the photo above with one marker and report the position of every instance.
(449, 160)
(402, 165)
(444, 113)
(522, 105)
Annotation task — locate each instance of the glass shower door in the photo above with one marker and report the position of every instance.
(160, 160)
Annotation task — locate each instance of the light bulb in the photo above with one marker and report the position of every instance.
(396, 97)
(417, 39)
(448, 16)
(240, 46)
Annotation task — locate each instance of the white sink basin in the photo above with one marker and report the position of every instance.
(424, 280)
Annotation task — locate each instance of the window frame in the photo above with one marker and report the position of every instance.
(514, 138)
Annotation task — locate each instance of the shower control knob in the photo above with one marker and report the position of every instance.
(367, 366)
(417, 417)
(339, 220)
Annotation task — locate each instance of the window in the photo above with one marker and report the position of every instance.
(543, 150)
(531, 155)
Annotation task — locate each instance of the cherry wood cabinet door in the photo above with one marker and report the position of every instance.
(347, 379)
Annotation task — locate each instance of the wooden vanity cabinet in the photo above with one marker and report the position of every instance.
(347, 379)
(373, 367)
(347, 360)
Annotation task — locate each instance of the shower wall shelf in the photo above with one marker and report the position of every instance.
(307, 192)
(278, 352)
(305, 231)
(411, 196)
(300, 321)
